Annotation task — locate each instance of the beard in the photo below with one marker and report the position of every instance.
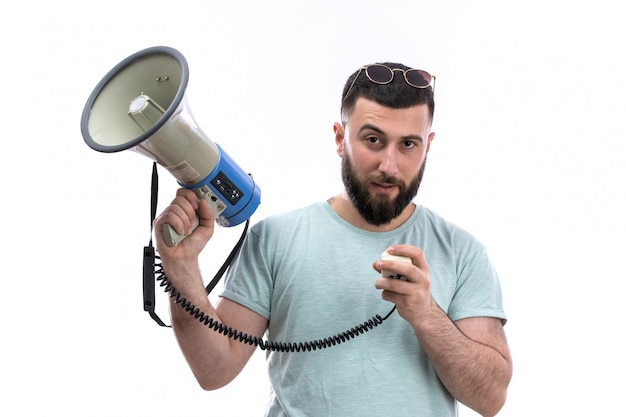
(379, 209)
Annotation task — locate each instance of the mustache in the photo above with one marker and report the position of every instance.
(384, 179)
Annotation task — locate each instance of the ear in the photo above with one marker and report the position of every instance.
(339, 137)
(431, 136)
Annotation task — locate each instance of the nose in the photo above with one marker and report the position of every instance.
(389, 163)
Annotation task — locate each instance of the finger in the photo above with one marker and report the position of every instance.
(181, 213)
(186, 210)
(416, 254)
(188, 195)
(389, 264)
(392, 287)
(419, 260)
(176, 217)
(392, 269)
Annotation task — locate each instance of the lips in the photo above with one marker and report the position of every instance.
(385, 188)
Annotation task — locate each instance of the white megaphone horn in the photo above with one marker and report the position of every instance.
(140, 105)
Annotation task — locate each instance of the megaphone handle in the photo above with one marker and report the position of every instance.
(171, 237)
(204, 193)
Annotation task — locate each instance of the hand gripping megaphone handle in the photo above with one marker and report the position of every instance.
(218, 206)
(171, 237)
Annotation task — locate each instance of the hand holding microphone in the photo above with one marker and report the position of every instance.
(396, 258)
(409, 289)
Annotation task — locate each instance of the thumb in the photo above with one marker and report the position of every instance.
(205, 214)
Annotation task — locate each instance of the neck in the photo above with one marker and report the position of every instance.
(342, 205)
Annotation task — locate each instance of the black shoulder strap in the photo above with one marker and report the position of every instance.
(149, 256)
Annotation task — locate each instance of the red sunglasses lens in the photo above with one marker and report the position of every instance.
(418, 78)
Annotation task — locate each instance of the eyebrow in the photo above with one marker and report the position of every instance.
(381, 132)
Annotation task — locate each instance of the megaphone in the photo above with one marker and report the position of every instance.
(141, 105)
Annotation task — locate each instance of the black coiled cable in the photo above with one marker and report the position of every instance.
(257, 341)
(154, 269)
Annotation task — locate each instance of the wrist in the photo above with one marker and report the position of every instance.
(429, 317)
(184, 276)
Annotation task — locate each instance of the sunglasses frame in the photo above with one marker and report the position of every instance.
(424, 74)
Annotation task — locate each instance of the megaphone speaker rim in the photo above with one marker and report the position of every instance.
(178, 98)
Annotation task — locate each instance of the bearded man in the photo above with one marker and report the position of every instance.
(315, 272)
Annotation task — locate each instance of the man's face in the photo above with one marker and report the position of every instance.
(383, 153)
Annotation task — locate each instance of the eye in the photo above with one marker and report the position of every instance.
(373, 140)
(409, 144)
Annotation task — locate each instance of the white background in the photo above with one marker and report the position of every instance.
(528, 157)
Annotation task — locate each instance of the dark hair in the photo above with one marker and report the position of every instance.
(397, 94)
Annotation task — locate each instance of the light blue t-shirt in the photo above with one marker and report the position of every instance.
(310, 273)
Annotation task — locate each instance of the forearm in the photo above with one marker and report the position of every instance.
(207, 352)
(474, 373)
(214, 359)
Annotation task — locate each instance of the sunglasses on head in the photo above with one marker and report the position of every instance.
(382, 74)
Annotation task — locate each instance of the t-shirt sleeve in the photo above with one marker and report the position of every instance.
(478, 292)
(248, 280)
